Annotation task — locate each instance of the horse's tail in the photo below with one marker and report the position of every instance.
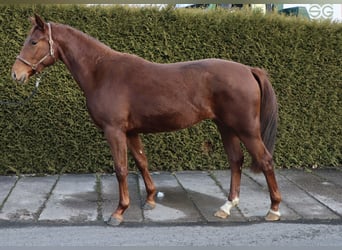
(268, 109)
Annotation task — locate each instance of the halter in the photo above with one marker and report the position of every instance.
(51, 53)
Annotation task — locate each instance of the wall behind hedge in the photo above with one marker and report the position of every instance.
(53, 133)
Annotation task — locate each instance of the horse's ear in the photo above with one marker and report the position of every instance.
(39, 22)
(32, 20)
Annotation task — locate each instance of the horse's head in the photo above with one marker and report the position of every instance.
(37, 52)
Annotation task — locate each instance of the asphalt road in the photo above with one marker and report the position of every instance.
(257, 234)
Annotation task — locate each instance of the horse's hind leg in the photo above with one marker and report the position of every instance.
(262, 161)
(137, 150)
(232, 148)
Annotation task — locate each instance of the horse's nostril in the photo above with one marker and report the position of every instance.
(14, 76)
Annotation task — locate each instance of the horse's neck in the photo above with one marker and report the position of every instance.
(80, 54)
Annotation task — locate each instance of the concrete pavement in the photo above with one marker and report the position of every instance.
(190, 197)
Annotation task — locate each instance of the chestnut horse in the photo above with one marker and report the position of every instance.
(127, 95)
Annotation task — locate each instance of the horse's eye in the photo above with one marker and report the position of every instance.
(33, 42)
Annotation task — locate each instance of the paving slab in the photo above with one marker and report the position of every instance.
(27, 198)
(206, 194)
(6, 184)
(183, 197)
(110, 197)
(304, 206)
(174, 206)
(74, 199)
(330, 175)
(327, 193)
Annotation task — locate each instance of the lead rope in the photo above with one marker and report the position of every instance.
(26, 100)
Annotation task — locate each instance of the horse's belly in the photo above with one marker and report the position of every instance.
(170, 121)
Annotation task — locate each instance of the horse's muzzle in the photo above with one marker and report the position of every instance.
(22, 78)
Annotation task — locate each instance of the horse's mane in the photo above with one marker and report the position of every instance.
(85, 38)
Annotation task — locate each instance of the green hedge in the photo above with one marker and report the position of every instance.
(53, 133)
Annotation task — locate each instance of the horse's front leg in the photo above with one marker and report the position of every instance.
(136, 147)
(118, 144)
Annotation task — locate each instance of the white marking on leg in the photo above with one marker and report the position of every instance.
(277, 213)
(229, 205)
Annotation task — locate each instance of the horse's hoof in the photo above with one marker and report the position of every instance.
(272, 215)
(221, 214)
(113, 221)
(149, 206)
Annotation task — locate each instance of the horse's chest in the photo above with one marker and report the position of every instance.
(107, 110)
